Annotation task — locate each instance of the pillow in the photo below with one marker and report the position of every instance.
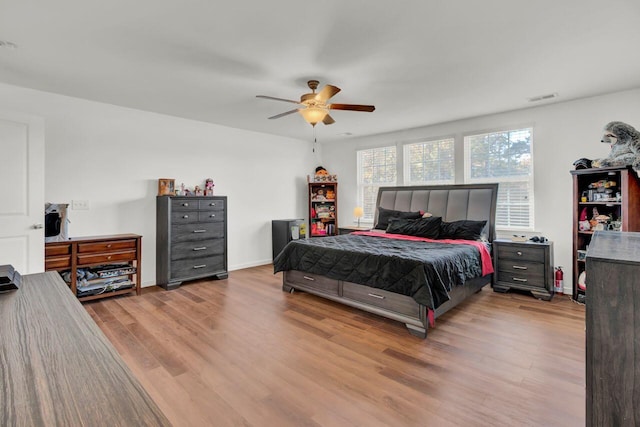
(464, 229)
(422, 227)
(385, 214)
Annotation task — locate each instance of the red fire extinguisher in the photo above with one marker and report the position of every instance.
(559, 285)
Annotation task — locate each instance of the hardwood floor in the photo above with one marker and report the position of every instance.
(242, 352)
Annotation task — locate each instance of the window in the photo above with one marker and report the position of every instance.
(430, 162)
(505, 157)
(376, 168)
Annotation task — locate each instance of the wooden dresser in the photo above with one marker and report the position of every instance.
(58, 369)
(116, 250)
(191, 239)
(613, 329)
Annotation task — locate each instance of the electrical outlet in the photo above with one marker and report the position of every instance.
(80, 205)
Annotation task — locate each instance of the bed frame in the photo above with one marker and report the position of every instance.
(452, 203)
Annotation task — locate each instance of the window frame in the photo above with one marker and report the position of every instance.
(529, 180)
(369, 215)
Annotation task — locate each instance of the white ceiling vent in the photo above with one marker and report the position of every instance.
(543, 97)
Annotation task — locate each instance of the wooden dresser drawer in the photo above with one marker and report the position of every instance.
(197, 231)
(197, 249)
(57, 262)
(103, 258)
(182, 204)
(184, 217)
(211, 205)
(57, 249)
(380, 298)
(300, 279)
(112, 245)
(520, 278)
(198, 267)
(211, 216)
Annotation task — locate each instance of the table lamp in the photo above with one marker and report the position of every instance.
(358, 212)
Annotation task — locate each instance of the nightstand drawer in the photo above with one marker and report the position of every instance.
(516, 252)
(520, 267)
(518, 277)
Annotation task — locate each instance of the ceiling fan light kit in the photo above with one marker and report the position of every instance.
(314, 107)
(313, 114)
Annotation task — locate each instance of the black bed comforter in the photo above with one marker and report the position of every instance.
(425, 271)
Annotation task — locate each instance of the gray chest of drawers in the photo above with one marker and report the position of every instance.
(523, 265)
(191, 239)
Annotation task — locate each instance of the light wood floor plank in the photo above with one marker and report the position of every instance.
(242, 352)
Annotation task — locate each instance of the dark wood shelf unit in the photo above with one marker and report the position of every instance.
(627, 209)
(323, 209)
(85, 252)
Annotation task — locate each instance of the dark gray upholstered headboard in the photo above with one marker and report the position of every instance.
(451, 202)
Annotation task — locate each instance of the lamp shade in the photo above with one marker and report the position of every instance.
(313, 115)
(358, 212)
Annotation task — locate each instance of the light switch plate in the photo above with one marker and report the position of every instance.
(80, 205)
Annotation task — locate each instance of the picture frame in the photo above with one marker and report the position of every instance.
(166, 187)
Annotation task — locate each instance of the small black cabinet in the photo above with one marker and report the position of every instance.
(281, 233)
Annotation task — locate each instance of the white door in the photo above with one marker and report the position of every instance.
(22, 192)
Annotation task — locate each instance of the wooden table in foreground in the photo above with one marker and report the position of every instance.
(58, 369)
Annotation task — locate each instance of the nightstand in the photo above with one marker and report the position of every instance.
(523, 265)
(351, 228)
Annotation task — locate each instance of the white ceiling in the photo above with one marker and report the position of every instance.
(419, 62)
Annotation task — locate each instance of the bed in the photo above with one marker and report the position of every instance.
(395, 271)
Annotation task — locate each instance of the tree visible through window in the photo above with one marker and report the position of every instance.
(376, 168)
(430, 162)
(505, 157)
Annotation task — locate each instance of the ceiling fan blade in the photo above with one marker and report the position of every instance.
(327, 92)
(277, 99)
(352, 107)
(286, 113)
(328, 120)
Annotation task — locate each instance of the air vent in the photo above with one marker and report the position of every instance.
(8, 45)
(543, 97)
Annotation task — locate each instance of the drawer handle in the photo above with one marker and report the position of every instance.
(185, 204)
(517, 279)
(519, 267)
(200, 249)
(185, 216)
(199, 231)
(109, 257)
(109, 245)
(519, 253)
(376, 296)
(212, 215)
(308, 278)
(200, 266)
(212, 204)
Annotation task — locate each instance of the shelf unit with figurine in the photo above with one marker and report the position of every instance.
(323, 206)
(605, 198)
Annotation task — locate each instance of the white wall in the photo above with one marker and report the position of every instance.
(113, 157)
(563, 133)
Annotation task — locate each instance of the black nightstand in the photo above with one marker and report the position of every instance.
(523, 265)
(350, 229)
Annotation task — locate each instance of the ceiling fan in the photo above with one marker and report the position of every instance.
(314, 107)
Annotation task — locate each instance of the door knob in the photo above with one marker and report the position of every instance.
(37, 226)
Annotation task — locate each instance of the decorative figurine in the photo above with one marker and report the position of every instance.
(208, 187)
(198, 191)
